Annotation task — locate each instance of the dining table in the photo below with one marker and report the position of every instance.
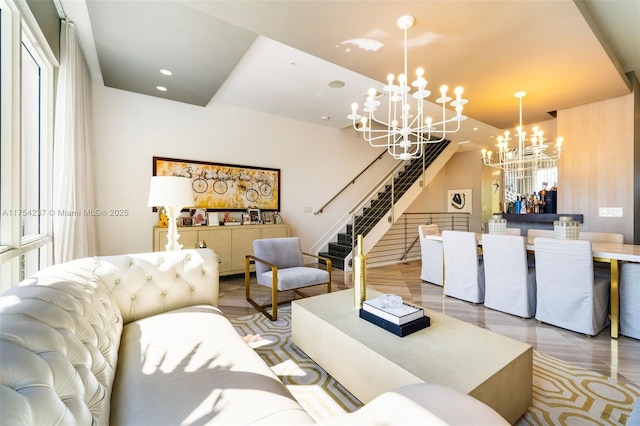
(611, 253)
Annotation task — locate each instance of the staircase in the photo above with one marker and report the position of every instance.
(380, 205)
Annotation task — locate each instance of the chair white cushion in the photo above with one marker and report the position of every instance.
(513, 231)
(630, 301)
(464, 271)
(509, 284)
(296, 277)
(283, 252)
(190, 366)
(286, 254)
(534, 233)
(569, 295)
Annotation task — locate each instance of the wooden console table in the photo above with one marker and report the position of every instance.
(231, 243)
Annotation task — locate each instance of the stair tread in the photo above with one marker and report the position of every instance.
(379, 207)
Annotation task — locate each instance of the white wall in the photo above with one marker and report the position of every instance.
(463, 171)
(130, 129)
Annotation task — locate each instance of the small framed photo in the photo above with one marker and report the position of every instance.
(267, 218)
(199, 216)
(186, 221)
(254, 215)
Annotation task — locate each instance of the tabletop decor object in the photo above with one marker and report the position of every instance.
(566, 228)
(359, 274)
(392, 308)
(497, 225)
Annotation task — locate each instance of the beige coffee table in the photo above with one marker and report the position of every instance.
(368, 360)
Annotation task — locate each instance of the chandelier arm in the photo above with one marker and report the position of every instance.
(406, 133)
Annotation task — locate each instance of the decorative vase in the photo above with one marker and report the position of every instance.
(566, 228)
(359, 274)
(497, 225)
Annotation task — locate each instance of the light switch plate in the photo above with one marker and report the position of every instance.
(610, 211)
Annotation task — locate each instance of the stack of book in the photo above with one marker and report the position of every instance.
(401, 321)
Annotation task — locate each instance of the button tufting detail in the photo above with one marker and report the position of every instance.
(117, 281)
(164, 292)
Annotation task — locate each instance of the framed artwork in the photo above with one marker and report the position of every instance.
(199, 216)
(254, 215)
(186, 221)
(213, 219)
(246, 219)
(459, 200)
(218, 186)
(267, 218)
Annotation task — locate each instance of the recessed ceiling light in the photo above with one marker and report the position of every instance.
(336, 84)
(326, 117)
(161, 88)
(165, 72)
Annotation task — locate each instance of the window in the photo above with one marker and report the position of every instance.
(26, 135)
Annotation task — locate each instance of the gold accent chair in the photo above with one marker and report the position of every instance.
(279, 264)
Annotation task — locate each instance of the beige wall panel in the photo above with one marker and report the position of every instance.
(596, 167)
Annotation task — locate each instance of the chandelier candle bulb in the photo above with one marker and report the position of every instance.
(406, 135)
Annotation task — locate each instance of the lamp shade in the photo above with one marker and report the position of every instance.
(170, 191)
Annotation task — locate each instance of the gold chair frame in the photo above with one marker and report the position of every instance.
(274, 284)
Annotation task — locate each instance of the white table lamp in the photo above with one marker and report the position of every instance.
(173, 193)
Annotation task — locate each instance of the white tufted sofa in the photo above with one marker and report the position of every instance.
(131, 339)
(137, 340)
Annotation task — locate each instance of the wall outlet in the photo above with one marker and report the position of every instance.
(610, 211)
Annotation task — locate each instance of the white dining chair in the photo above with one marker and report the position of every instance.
(510, 286)
(630, 300)
(534, 233)
(513, 231)
(569, 295)
(463, 270)
(602, 237)
(431, 252)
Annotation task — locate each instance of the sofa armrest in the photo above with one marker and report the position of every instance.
(421, 403)
(150, 283)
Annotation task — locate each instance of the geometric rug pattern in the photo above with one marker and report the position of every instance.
(563, 393)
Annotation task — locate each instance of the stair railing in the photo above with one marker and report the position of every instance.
(351, 182)
(387, 180)
(402, 242)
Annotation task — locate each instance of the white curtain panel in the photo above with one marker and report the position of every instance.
(74, 236)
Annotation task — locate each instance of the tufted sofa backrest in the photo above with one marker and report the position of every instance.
(60, 329)
(150, 283)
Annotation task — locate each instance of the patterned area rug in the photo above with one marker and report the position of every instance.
(563, 394)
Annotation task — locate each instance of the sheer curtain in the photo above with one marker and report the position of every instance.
(74, 234)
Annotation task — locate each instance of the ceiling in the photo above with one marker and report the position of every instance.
(279, 57)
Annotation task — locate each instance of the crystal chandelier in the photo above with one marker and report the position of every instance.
(525, 158)
(404, 133)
